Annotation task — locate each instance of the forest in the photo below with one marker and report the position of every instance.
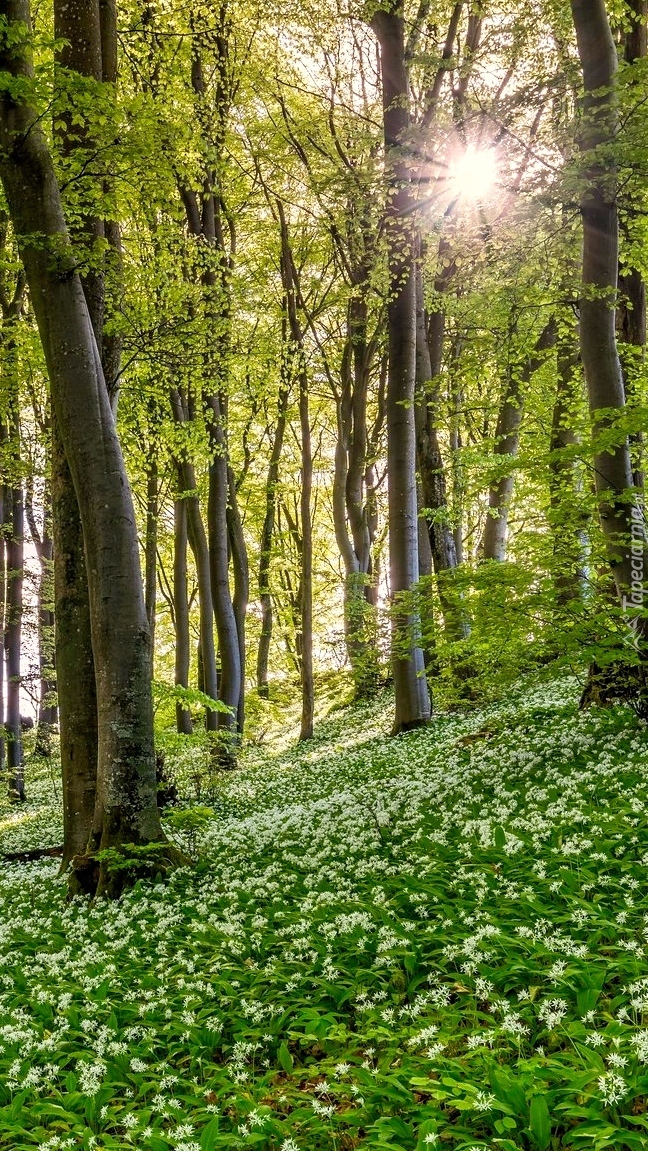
(323, 631)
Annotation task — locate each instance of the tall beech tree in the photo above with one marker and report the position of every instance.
(621, 517)
(412, 696)
(125, 809)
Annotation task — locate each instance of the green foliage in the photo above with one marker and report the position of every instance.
(435, 940)
(191, 824)
(134, 860)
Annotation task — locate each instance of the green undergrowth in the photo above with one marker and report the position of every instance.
(433, 940)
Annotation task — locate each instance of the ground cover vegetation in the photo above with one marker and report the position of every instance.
(433, 940)
(323, 635)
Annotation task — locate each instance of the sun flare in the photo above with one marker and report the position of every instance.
(473, 174)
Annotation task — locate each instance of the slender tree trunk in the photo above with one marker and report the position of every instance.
(433, 486)
(267, 532)
(305, 541)
(412, 696)
(14, 541)
(4, 527)
(507, 442)
(241, 571)
(126, 800)
(208, 681)
(566, 520)
(181, 612)
(42, 541)
(150, 553)
(13, 634)
(228, 639)
(352, 516)
(631, 318)
(621, 516)
(308, 694)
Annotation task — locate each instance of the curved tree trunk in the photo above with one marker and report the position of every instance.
(241, 571)
(208, 676)
(126, 800)
(412, 696)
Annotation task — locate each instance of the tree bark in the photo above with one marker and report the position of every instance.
(42, 541)
(150, 553)
(566, 520)
(307, 685)
(620, 512)
(267, 530)
(77, 27)
(126, 809)
(188, 493)
(181, 612)
(14, 515)
(352, 513)
(507, 442)
(631, 317)
(75, 670)
(291, 291)
(241, 572)
(411, 691)
(228, 639)
(13, 633)
(436, 513)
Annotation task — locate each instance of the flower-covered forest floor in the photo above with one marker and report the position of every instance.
(437, 940)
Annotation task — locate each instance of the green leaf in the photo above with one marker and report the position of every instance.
(499, 837)
(209, 1136)
(539, 1121)
(285, 1059)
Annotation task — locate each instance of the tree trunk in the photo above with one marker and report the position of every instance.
(352, 518)
(305, 647)
(13, 633)
(433, 492)
(14, 515)
(412, 696)
(77, 26)
(621, 516)
(75, 670)
(241, 570)
(42, 541)
(4, 527)
(507, 442)
(267, 531)
(566, 520)
(126, 809)
(200, 550)
(150, 553)
(228, 640)
(308, 695)
(181, 612)
(631, 319)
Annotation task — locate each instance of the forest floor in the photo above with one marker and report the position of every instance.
(438, 939)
